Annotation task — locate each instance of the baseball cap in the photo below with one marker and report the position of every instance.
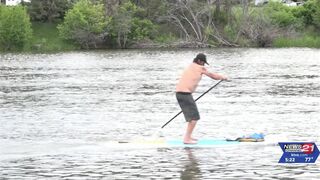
(201, 57)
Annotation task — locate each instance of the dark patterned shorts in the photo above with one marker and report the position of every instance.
(188, 106)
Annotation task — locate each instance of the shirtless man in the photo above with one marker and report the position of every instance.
(184, 89)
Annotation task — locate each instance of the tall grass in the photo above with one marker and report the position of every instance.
(310, 41)
(46, 39)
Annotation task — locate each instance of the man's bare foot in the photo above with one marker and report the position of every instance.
(194, 139)
(190, 141)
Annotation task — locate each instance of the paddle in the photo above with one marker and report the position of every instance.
(195, 100)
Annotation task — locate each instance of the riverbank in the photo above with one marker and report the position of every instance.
(46, 39)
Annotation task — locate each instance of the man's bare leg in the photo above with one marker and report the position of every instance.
(188, 136)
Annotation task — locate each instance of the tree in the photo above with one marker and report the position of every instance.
(152, 9)
(128, 26)
(85, 24)
(196, 20)
(48, 10)
(260, 30)
(111, 6)
(187, 16)
(310, 13)
(281, 15)
(122, 23)
(15, 28)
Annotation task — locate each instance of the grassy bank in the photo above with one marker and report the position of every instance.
(46, 39)
(310, 41)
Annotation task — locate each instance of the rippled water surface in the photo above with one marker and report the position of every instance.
(59, 111)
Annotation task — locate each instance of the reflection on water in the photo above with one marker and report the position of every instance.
(191, 169)
(57, 111)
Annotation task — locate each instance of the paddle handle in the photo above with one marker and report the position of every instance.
(194, 100)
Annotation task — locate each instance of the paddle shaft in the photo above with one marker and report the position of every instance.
(194, 100)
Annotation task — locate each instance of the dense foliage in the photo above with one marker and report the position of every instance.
(309, 13)
(48, 10)
(128, 26)
(15, 28)
(85, 24)
(169, 23)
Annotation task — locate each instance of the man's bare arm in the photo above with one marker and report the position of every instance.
(215, 76)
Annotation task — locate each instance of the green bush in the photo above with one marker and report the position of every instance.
(310, 12)
(48, 10)
(129, 27)
(85, 24)
(142, 29)
(230, 32)
(165, 38)
(280, 14)
(15, 28)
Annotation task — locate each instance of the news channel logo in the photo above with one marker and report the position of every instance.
(299, 152)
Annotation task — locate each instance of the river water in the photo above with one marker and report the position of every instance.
(59, 111)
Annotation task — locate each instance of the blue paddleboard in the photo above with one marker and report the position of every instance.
(256, 137)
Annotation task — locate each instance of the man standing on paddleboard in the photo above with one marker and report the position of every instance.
(186, 86)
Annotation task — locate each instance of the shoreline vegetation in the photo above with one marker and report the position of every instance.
(66, 25)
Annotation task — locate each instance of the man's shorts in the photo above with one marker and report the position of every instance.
(188, 106)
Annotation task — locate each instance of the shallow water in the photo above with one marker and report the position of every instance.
(58, 111)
